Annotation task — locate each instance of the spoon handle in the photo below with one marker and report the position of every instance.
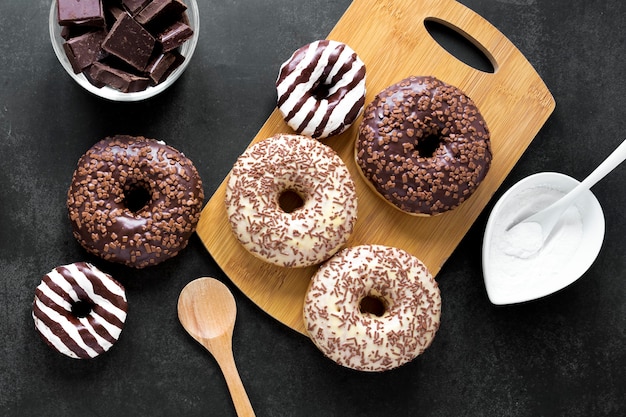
(226, 361)
(549, 216)
(609, 164)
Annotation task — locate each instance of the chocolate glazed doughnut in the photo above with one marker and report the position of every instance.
(321, 89)
(423, 145)
(134, 201)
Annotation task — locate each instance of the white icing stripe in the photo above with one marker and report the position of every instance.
(112, 329)
(58, 279)
(344, 56)
(302, 65)
(70, 330)
(113, 287)
(83, 282)
(103, 302)
(54, 297)
(105, 344)
(52, 338)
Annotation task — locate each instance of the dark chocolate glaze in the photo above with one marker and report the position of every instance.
(98, 205)
(423, 145)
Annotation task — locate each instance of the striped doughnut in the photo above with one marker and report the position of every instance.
(312, 179)
(372, 308)
(321, 89)
(79, 310)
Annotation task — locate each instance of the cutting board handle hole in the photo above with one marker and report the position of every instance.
(460, 45)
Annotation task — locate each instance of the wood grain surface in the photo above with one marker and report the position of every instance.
(390, 37)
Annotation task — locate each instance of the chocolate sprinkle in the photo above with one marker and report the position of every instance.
(366, 341)
(104, 222)
(291, 164)
(423, 146)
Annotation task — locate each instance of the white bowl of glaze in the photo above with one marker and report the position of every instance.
(504, 282)
(187, 49)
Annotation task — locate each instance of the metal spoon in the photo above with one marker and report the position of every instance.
(549, 216)
(207, 311)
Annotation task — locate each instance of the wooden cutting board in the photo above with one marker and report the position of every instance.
(390, 37)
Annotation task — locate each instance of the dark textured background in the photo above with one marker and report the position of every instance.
(563, 355)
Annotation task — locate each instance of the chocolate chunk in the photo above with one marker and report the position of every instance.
(84, 50)
(72, 31)
(174, 36)
(127, 53)
(83, 12)
(130, 42)
(115, 78)
(163, 65)
(158, 9)
(134, 6)
(113, 13)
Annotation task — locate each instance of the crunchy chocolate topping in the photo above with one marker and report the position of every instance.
(423, 145)
(84, 336)
(110, 222)
(366, 341)
(321, 89)
(302, 166)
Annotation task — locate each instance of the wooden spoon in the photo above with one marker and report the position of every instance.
(207, 311)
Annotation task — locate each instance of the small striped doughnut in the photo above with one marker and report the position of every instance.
(321, 89)
(303, 169)
(372, 308)
(102, 303)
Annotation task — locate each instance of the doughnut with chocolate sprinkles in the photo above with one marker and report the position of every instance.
(79, 310)
(291, 201)
(321, 89)
(423, 145)
(134, 201)
(372, 308)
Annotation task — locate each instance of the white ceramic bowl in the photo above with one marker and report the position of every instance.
(109, 93)
(501, 288)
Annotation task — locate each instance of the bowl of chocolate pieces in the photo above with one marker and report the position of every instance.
(124, 50)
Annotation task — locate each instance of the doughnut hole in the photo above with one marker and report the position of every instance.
(427, 146)
(320, 91)
(82, 308)
(137, 195)
(290, 201)
(373, 304)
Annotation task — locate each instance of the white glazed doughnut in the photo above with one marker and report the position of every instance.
(79, 310)
(309, 173)
(321, 89)
(372, 308)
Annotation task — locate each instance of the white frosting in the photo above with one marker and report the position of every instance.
(311, 233)
(362, 340)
